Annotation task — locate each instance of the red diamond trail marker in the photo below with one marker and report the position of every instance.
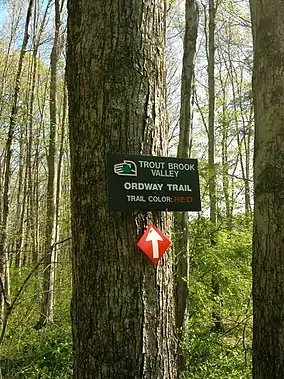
(154, 243)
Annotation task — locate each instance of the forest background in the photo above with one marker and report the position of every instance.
(35, 204)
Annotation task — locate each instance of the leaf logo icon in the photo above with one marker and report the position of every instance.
(126, 168)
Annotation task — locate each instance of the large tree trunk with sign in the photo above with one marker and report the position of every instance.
(268, 238)
(122, 304)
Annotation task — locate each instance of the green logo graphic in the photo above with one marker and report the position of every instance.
(126, 168)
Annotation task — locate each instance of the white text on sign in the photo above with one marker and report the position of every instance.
(159, 199)
(156, 187)
(166, 169)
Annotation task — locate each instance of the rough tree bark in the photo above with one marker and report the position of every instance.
(122, 306)
(268, 237)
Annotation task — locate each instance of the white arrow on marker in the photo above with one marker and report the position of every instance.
(154, 237)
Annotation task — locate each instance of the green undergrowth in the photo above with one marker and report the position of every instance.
(219, 284)
(219, 350)
(28, 353)
(42, 354)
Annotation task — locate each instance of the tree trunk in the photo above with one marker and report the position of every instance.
(8, 147)
(184, 150)
(268, 238)
(32, 138)
(225, 163)
(225, 123)
(211, 151)
(211, 115)
(122, 305)
(49, 267)
(20, 210)
(59, 181)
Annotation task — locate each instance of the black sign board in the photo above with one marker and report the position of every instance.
(146, 183)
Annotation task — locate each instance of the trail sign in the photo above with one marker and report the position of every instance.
(154, 243)
(146, 183)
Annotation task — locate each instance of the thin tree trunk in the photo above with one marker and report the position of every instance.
(247, 126)
(19, 220)
(184, 150)
(211, 115)
(248, 207)
(48, 273)
(225, 165)
(224, 149)
(240, 137)
(31, 184)
(60, 160)
(11, 131)
(59, 175)
(20, 231)
(39, 147)
(236, 85)
(211, 151)
(12, 36)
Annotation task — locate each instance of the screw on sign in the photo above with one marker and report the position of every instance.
(154, 243)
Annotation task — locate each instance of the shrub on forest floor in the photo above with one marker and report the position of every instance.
(47, 355)
(226, 353)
